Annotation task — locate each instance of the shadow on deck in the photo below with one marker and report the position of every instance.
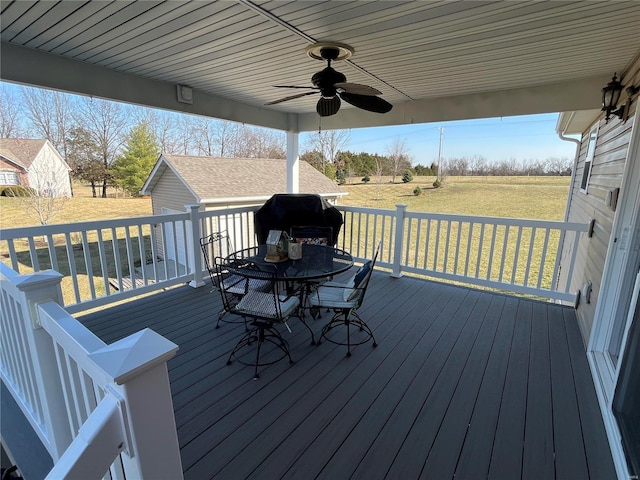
(463, 382)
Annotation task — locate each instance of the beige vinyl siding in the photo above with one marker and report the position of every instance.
(607, 171)
(169, 192)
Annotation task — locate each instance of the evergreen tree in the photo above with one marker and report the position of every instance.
(132, 168)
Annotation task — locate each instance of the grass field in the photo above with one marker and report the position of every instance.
(82, 207)
(518, 197)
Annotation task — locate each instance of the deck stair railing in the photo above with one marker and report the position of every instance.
(98, 409)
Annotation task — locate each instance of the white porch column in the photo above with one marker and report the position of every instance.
(293, 163)
(396, 271)
(194, 254)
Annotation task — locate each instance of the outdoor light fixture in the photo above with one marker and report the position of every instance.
(611, 96)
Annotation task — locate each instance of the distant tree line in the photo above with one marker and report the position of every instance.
(478, 165)
(325, 151)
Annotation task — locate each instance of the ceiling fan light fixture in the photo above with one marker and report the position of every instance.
(328, 106)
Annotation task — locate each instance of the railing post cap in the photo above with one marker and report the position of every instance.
(130, 356)
(37, 280)
(401, 206)
(192, 206)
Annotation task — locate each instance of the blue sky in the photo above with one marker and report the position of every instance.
(521, 137)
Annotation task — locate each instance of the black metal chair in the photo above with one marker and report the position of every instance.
(266, 310)
(312, 235)
(345, 299)
(230, 287)
(217, 244)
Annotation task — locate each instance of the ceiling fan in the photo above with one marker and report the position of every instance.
(333, 86)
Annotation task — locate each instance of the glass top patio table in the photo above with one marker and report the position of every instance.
(318, 261)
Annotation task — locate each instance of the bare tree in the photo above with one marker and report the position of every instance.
(329, 143)
(106, 121)
(226, 136)
(206, 136)
(48, 192)
(253, 142)
(397, 153)
(163, 126)
(478, 165)
(50, 113)
(457, 166)
(10, 113)
(558, 166)
(185, 136)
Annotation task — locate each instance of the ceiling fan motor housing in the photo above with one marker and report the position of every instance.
(325, 81)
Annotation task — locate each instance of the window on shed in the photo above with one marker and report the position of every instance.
(588, 163)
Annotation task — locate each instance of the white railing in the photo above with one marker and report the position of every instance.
(98, 409)
(110, 260)
(515, 255)
(114, 259)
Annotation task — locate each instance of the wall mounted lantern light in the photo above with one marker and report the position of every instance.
(611, 96)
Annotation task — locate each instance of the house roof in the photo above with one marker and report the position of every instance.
(433, 60)
(215, 179)
(20, 151)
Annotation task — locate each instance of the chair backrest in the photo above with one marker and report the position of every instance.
(214, 247)
(216, 244)
(257, 302)
(312, 234)
(230, 286)
(361, 279)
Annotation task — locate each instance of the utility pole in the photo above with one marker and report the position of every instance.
(440, 154)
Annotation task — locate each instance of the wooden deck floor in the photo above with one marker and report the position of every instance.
(463, 383)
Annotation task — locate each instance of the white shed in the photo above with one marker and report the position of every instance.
(216, 183)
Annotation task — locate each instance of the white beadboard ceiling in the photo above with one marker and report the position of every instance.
(433, 60)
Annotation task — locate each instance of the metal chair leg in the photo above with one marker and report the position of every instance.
(347, 319)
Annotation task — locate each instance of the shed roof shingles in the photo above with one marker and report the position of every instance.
(213, 177)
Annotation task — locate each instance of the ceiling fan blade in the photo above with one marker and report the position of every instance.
(328, 106)
(367, 102)
(291, 97)
(357, 88)
(294, 86)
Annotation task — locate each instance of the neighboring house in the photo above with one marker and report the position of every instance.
(214, 183)
(605, 190)
(34, 164)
